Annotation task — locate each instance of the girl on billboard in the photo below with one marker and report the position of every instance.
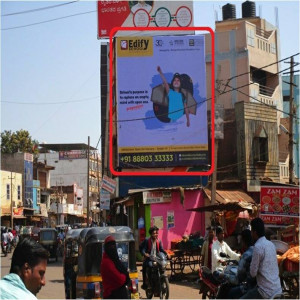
(177, 102)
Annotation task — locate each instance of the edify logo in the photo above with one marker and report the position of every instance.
(124, 45)
(138, 44)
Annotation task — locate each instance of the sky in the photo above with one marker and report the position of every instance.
(50, 72)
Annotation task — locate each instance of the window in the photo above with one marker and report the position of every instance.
(19, 192)
(7, 192)
(286, 98)
(260, 146)
(273, 48)
(250, 37)
(38, 196)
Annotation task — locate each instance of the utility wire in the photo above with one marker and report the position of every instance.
(50, 103)
(47, 21)
(228, 91)
(37, 9)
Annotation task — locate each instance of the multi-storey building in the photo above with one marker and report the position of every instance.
(11, 197)
(284, 167)
(71, 167)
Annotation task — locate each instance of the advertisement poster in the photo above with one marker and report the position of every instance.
(108, 184)
(104, 200)
(279, 201)
(161, 90)
(158, 222)
(143, 14)
(170, 219)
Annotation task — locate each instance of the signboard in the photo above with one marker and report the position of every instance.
(279, 201)
(143, 14)
(73, 154)
(18, 211)
(172, 128)
(108, 184)
(279, 220)
(104, 199)
(157, 197)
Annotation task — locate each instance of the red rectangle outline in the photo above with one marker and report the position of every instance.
(111, 35)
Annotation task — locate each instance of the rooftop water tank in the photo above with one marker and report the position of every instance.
(228, 11)
(248, 9)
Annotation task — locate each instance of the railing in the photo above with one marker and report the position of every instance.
(263, 33)
(265, 90)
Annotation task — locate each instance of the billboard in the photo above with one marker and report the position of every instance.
(143, 14)
(279, 201)
(161, 101)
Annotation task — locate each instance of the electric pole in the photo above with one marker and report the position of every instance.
(291, 129)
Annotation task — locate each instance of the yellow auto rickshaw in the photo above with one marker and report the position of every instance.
(90, 251)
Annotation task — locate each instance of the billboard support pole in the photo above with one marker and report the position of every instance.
(88, 183)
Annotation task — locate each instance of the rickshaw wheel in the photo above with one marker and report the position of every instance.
(165, 288)
(149, 293)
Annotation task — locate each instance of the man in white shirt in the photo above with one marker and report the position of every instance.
(218, 263)
(264, 265)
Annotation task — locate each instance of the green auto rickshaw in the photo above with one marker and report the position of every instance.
(90, 251)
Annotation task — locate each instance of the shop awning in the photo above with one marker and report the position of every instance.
(227, 200)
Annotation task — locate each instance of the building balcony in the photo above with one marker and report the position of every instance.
(264, 94)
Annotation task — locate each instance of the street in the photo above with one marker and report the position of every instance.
(54, 288)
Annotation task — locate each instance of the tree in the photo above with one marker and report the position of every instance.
(19, 141)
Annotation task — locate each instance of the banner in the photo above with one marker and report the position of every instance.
(108, 184)
(104, 200)
(161, 90)
(279, 201)
(143, 14)
(157, 197)
(73, 154)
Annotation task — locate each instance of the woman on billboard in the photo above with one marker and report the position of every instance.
(177, 102)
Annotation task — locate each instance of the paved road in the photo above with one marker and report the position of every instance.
(54, 288)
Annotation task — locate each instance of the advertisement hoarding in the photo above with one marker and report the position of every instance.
(170, 132)
(143, 14)
(279, 203)
(73, 154)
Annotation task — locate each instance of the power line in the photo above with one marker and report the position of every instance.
(50, 103)
(231, 89)
(37, 9)
(47, 21)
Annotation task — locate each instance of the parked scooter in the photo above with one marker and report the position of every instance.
(158, 283)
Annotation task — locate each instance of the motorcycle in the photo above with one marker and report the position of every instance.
(4, 246)
(158, 283)
(212, 288)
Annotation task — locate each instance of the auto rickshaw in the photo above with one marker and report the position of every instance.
(48, 238)
(70, 262)
(90, 251)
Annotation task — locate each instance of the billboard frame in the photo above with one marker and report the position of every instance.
(160, 173)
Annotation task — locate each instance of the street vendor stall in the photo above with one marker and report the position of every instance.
(185, 253)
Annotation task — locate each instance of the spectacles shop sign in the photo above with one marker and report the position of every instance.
(157, 197)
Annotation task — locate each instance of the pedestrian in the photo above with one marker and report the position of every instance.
(27, 271)
(264, 265)
(150, 246)
(115, 276)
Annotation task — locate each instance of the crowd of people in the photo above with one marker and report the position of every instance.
(257, 274)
